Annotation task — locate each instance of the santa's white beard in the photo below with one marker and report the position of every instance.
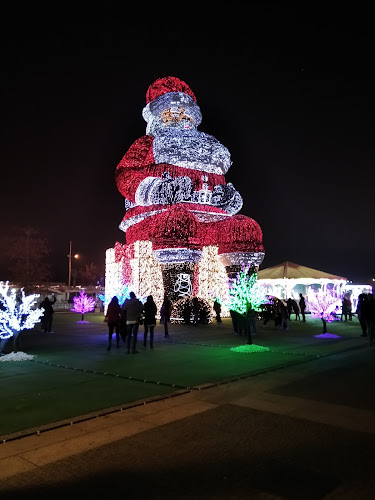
(189, 148)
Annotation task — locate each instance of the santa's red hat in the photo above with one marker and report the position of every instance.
(168, 84)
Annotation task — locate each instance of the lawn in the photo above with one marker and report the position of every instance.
(73, 375)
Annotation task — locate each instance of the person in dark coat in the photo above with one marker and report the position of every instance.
(48, 314)
(195, 310)
(289, 305)
(370, 317)
(217, 309)
(234, 315)
(284, 315)
(302, 306)
(344, 313)
(149, 321)
(186, 313)
(295, 309)
(361, 315)
(165, 314)
(134, 310)
(113, 319)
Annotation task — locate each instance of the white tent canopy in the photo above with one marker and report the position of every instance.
(289, 280)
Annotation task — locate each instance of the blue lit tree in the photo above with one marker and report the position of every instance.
(122, 295)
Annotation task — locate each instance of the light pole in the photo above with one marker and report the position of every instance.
(70, 262)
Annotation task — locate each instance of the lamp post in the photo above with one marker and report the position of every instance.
(70, 262)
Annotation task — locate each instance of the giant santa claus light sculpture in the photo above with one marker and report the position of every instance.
(183, 236)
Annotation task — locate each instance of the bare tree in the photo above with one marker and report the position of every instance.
(26, 251)
(90, 274)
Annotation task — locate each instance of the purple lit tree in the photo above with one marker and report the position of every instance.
(83, 304)
(323, 305)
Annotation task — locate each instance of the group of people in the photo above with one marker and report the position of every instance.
(346, 309)
(281, 311)
(296, 308)
(125, 320)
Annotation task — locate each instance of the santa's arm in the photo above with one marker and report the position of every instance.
(129, 170)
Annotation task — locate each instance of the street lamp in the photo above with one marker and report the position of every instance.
(70, 262)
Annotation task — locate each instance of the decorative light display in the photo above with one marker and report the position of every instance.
(177, 255)
(83, 304)
(122, 295)
(245, 293)
(16, 356)
(177, 200)
(183, 286)
(212, 278)
(322, 304)
(147, 273)
(17, 312)
(245, 349)
(327, 336)
(291, 287)
(114, 275)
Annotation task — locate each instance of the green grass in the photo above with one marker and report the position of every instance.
(72, 373)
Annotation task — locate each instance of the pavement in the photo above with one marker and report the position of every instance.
(198, 443)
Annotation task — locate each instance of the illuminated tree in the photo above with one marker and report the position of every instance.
(121, 295)
(83, 304)
(246, 296)
(322, 305)
(17, 313)
(212, 278)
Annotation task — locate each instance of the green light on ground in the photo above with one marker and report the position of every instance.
(249, 348)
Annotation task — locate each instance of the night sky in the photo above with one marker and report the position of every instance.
(290, 93)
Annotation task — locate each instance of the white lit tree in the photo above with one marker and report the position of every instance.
(17, 313)
(83, 304)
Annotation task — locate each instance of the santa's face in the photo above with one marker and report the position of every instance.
(174, 109)
(176, 117)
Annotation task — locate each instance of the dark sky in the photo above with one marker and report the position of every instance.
(289, 92)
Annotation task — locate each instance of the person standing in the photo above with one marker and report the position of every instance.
(361, 315)
(284, 315)
(113, 319)
(370, 317)
(165, 314)
(186, 312)
(195, 311)
(302, 306)
(149, 310)
(48, 314)
(344, 310)
(134, 309)
(349, 307)
(217, 309)
(234, 316)
(289, 305)
(252, 323)
(295, 309)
